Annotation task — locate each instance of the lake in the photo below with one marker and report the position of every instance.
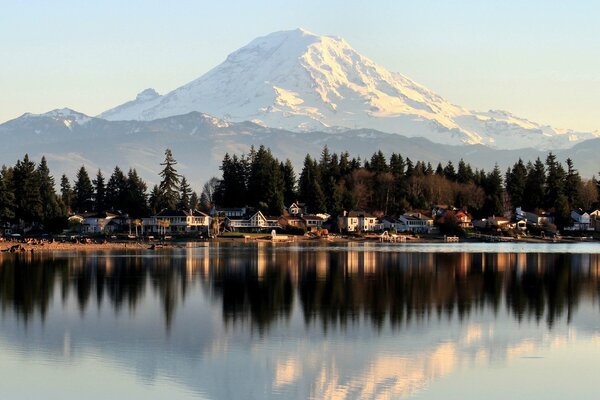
(318, 321)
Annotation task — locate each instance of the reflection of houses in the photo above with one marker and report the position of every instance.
(177, 221)
(415, 222)
(257, 221)
(358, 220)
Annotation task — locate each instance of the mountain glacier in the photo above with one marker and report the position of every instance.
(299, 81)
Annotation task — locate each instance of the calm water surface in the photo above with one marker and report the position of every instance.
(344, 321)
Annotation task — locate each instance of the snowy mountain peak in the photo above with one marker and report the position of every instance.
(301, 81)
(148, 94)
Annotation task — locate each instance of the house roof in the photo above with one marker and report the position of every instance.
(415, 217)
(181, 213)
(313, 217)
(359, 213)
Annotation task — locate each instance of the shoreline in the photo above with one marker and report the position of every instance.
(19, 246)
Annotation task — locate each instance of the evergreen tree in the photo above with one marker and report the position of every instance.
(310, 189)
(289, 182)
(397, 165)
(535, 187)
(185, 193)
(154, 200)
(99, 192)
(7, 197)
(51, 209)
(116, 197)
(555, 180)
(194, 201)
(169, 185)
(83, 192)
(378, 164)
(439, 171)
(516, 183)
(449, 171)
(494, 192)
(136, 204)
(573, 184)
(265, 183)
(465, 173)
(66, 193)
(26, 188)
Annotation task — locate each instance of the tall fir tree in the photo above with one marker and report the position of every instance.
(169, 185)
(51, 209)
(116, 191)
(83, 192)
(99, 192)
(7, 197)
(516, 183)
(289, 182)
(136, 197)
(185, 193)
(66, 193)
(573, 184)
(535, 186)
(25, 186)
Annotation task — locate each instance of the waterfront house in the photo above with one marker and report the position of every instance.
(357, 220)
(255, 222)
(177, 221)
(415, 223)
(297, 208)
(581, 221)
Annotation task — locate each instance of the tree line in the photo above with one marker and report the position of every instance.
(330, 183)
(28, 197)
(336, 182)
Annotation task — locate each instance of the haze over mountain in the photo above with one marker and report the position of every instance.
(199, 141)
(299, 81)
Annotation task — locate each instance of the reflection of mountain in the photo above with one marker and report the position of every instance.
(261, 322)
(260, 284)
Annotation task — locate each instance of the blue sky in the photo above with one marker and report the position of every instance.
(540, 60)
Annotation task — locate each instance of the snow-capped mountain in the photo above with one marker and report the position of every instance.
(300, 81)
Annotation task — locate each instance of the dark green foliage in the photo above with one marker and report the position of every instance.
(535, 186)
(100, 192)
(136, 203)
(83, 192)
(185, 193)
(169, 185)
(516, 183)
(7, 197)
(66, 193)
(116, 191)
(289, 182)
(25, 187)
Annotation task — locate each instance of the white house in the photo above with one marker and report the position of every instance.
(177, 221)
(358, 220)
(542, 218)
(581, 221)
(415, 222)
(297, 209)
(257, 221)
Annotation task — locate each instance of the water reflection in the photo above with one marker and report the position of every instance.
(263, 321)
(259, 284)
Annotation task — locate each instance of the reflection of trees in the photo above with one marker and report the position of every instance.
(333, 287)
